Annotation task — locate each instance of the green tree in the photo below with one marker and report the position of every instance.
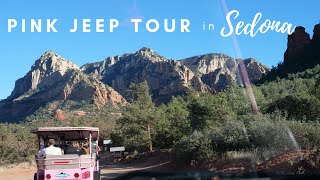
(316, 90)
(173, 122)
(138, 120)
(297, 106)
(207, 109)
(196, 147)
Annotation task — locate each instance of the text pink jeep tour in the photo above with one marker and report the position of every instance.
(71, 153)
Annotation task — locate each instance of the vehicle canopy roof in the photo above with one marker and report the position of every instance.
(67, 133)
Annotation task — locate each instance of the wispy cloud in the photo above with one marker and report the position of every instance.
(134, 13)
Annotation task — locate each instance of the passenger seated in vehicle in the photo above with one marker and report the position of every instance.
(85, 146)
(94, 148)
(75, 149)
(50, 150)
(42, 146)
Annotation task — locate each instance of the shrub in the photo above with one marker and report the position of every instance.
(297, 106)
(266, 133)
(16, 143)
(197, 147)
(306, 133)
(229, 135)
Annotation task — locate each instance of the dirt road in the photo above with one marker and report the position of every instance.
(281, 163)
(113, 171)
(107, 172)
(18, 174)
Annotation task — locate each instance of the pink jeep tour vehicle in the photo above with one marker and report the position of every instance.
(79, 158)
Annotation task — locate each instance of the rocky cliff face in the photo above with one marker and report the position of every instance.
(255, 69)
(54, 78)
(46, 71)
(165, 77)
(316, 42)
(302, 52)
(219, 70)
(297, 42)
(316, 33)
(315, 48)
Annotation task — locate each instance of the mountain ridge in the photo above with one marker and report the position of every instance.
(53, 77)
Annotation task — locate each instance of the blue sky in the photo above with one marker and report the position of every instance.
(20, 50)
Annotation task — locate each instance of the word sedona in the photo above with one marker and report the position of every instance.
(253, 28)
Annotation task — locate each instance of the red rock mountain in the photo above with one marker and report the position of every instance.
(302, 51)
(168, 77)
(53, 78)
(165, 77)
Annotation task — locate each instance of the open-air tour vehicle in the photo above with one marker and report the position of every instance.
(68, 166)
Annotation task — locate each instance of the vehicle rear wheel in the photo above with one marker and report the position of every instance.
(96, 175)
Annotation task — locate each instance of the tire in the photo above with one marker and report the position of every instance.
(96, 175)
(36, 178)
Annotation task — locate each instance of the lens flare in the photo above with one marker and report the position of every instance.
(244, 81)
